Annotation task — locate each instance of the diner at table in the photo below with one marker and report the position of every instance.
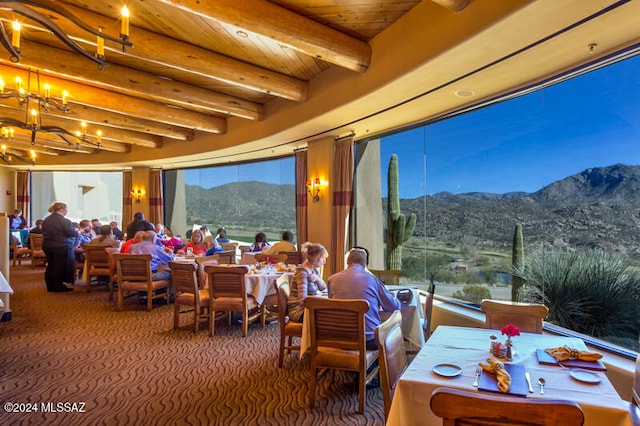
(452, 358)
(307, 280)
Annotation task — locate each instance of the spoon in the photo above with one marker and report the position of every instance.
(541, 382)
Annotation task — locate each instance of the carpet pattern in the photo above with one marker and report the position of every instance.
(131, 367)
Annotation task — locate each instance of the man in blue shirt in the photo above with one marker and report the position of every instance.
(159, 258)
(356, 282)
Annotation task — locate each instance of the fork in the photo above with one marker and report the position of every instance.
(478, 372)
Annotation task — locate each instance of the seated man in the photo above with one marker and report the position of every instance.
(159, 257)
(356, 282)
(105, 238)
(281, 246)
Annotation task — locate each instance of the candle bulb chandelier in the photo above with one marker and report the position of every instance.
(34, 103)
(12, 44)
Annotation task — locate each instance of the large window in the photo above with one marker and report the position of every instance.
(89, 195)
(561, 168)
(244, 198)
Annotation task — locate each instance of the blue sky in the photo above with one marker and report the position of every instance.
(520, 145)
(526, 143)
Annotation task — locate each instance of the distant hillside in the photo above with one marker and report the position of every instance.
(250, 205)
(598, 207)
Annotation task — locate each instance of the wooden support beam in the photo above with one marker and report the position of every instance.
(128, 81)
(168, 52)
(23, 145)
(286, 27)
(81, 94)
(454, 5)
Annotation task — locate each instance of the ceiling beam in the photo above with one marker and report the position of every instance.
(286, 27)
(454, 5)
(168, 52)
(24, 144)
(81, 94)
(132, 82)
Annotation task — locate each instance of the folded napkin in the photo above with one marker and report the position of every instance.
(502, 377)
(565, 352)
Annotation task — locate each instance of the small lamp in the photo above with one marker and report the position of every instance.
(137, 194)
(314, 189)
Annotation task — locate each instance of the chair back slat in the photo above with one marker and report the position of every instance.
(227, 257)
(528, 316)
(226, 281)
(335, 326)
(96, 256)
(133, 267)
(184, 277)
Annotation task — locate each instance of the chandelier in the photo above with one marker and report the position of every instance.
(36, 100)
(12, 45)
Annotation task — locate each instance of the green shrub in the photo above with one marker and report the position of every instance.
(473, 293)
(588, 291)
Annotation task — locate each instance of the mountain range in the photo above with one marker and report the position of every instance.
(596, 208)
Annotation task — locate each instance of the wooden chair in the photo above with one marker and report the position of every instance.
(227, 257)
(38, 257)
(229, 246)
(338, 341)
(528, 317)
(97, 263)
(428, 310)
(393, 358)
(228, 293)
(261, 257)
(457, 407)
(187, 292)
(134, 275)
(288, 329)
(113, 273)
(388, 276)
(19, 251)
(293, 257)
(243, 249)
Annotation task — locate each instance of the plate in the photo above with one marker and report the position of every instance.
(584, 376)
(447, 370)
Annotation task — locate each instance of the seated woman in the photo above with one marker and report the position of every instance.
(260, 242)
(197, 245)
(105, 238)
(168, 240)
(307, 280)
(222, 236)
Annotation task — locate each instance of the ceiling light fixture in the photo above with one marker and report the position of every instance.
(12, 45)
(34, 104)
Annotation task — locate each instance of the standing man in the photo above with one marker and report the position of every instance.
(138, 224)
(356, 282)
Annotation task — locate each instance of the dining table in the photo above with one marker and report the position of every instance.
(412, 319)
(450, 358)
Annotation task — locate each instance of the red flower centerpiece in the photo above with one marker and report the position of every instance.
(510, 331)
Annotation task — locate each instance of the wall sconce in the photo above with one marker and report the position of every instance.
(314, 189)
(137, 194)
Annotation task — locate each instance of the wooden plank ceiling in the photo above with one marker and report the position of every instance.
(193, 65)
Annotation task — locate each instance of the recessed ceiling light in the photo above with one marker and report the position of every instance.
(242, 34)
(464, 93)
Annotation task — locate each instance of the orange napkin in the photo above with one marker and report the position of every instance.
(502, 377)
(565, 352)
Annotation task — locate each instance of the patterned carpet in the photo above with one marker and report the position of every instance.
(131, 367)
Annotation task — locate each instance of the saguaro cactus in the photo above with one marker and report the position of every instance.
(517, 264)
(399, 229)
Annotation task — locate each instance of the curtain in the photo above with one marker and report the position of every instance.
(23, 195)
(127, 201)
(156, 213)
(301, 197)
(342, 200)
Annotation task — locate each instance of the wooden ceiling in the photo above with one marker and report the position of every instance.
(206, 76)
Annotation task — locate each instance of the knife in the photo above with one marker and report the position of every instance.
(528, 377)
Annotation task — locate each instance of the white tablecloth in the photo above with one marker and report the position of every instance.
(412, 316)
(261, 285)
(465, 347)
